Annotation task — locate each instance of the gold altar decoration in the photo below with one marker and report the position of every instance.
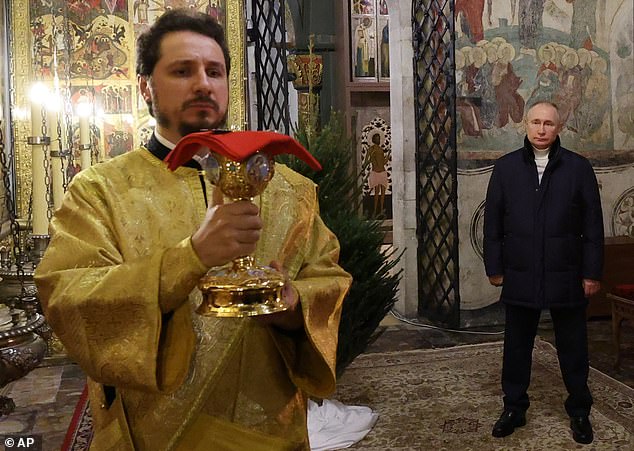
(236, 40)
(242, 288)
(308, 71)
(21, 38)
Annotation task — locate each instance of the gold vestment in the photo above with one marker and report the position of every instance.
(120, 243)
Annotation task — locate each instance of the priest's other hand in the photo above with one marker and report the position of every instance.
(292, 318)
(228, 231)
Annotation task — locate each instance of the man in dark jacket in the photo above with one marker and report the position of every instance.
(543, 244)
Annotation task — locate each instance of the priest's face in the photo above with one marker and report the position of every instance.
(188, 89)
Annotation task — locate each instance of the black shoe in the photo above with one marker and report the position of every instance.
(581, 430)
(509, 420)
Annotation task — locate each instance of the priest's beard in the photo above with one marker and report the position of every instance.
(186, 127)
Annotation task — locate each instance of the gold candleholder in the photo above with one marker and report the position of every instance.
(241, 288)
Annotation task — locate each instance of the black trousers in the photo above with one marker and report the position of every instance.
(571, 336)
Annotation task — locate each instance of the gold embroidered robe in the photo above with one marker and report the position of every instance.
(120, 242)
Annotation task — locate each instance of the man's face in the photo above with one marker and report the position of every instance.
(188, 88)
(542, 125)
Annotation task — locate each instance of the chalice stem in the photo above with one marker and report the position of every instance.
(244, 289)
(243, 263)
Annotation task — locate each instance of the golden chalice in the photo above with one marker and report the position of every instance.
(241, 164)
(241, 288)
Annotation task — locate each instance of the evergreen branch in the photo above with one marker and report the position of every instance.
(375, 281)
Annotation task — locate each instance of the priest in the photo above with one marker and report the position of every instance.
(129, 245)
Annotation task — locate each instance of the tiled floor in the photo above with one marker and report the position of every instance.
(45, 400)
(46, 397)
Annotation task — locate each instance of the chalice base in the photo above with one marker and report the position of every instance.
(241, 291)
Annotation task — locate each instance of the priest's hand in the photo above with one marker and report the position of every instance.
(291, 319)
(228, 231)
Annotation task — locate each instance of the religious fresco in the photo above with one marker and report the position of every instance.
(114, 99)
(579, 54)
(82, 51)
(118, 137)
(96, 34)
(622, 223)
(374, 149)
(369, 40)
(145, 12)
(576, 53)
(90, 43)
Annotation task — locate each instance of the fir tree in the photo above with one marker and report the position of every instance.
(375, 281)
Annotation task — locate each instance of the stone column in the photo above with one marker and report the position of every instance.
(403, 153)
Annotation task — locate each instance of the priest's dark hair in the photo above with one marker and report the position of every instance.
(183, 19)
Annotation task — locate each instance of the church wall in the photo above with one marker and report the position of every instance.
(403, 150)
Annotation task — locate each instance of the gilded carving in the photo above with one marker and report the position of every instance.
(308, 71)
(95, 61)
(20, 78)
(235, 27)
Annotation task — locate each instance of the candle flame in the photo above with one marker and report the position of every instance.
(39, 93)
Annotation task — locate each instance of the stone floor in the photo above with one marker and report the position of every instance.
(46, 397)
(45, 400)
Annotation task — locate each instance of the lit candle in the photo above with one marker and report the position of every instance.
(83, 110)
(57, 177)
(38, 94)
(39, 205)
(84, 131)
(52, 122)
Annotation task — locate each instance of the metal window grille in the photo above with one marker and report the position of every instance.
(436, 160)
(269, 36)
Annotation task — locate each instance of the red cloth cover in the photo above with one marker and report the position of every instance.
(237, 146)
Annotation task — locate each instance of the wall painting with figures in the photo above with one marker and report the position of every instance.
(370, 40)
(513, 53)
(85, 50)
(375, 154)
(99, 37)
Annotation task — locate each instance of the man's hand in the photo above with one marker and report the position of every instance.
(590, 287)
(228, 231)
(292, 318)
(497, 280)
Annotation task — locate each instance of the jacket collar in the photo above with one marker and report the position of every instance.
(553, 155)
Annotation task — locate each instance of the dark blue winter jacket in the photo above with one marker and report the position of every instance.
(544, 238)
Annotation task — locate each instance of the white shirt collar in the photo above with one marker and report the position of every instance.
(541, 153)
(167, 143)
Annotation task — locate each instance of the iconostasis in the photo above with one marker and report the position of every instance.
(72, 71)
